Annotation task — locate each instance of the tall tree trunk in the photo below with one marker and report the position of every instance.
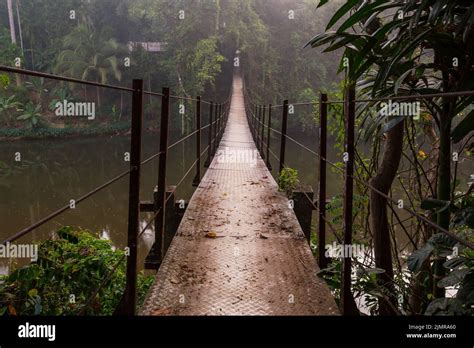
(12, 33)
(418, 298)
(444, 186)
(382, 181)
(19, 27)
(11, 21)
(218, 12)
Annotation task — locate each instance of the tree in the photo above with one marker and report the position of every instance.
(406, 47)
(90, 55)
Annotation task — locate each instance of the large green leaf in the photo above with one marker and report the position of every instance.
(453, 278)
(364, 12)
(454, 263)
(445, 306)
(322, 2)
(341, 12)
(465, 293)
(418, 257)
(434, 204)
(463, 128)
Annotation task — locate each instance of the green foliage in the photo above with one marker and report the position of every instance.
(288, 181)
(76, 262)
(387, 51)
(8, 51)
(462, 209)
(460, 276)
(463, 128)
(31, 114)
(59, 95)
(201, 65)
(37, 85)
(7, 104)
(335, 207)
(333, 275)
(4, 81)
(48, 132)
(460, 266)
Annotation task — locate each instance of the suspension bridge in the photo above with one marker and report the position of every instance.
(239, 246)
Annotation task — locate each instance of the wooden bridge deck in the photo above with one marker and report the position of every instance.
(259, 263)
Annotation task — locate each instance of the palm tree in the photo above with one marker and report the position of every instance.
(89, 55)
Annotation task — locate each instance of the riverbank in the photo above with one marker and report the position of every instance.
(14, 134)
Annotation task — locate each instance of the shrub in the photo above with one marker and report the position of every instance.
(288, 181)
(75, 263)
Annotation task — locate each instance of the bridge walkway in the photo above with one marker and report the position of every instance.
(239, 249)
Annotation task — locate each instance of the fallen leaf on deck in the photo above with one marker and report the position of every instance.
(174, 281)
(211, 235)
(263, 236)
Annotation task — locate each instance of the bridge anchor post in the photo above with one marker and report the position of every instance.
(174, 212)
(303, 208)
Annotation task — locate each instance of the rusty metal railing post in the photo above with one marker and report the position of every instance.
(214, 140)
(347, 300)
(284, 123)
(128, 306)
(269, 164)
(262, 153)
(257, 119)
(219, 120)
(254, 117)
(209, 139)
(161, 195)
(323, 112)
(223, 120)
(197, 178)
(259, 124)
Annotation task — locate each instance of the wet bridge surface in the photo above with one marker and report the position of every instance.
(239, 249)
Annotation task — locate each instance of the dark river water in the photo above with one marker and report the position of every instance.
(52, 172)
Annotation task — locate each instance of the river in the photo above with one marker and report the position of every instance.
(52, 172)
